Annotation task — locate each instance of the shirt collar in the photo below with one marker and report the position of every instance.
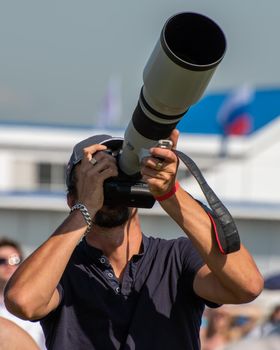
(96, 253)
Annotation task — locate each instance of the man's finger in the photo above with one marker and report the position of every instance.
(174, 136)
(89, 151)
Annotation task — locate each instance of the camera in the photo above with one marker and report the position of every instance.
(128, 190)
(189, 49)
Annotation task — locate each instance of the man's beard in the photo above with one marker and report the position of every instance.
(112, 216)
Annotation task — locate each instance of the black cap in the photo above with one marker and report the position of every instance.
(113, 143)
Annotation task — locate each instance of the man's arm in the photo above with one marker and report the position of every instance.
(32, 293)
(232, 278)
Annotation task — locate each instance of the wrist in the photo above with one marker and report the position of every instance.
(86, 215)
(168, 194)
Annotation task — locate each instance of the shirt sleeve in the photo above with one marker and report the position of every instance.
(191, 263)
(60, 292)
(53, 312)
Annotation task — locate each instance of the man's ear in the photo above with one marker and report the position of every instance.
(70, 200)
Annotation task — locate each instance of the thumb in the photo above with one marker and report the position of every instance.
(174, 136)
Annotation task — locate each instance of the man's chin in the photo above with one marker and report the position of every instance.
(112, 216)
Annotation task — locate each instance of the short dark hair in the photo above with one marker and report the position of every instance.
(8, 242)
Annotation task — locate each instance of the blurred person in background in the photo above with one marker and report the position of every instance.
(99, 283)
(13, 337)
(217, 331)
(266, 336)
(10, 258)
(228, 324)
(270, 326)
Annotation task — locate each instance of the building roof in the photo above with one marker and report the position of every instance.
(245, 179)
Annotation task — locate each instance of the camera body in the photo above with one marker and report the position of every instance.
(127, 190)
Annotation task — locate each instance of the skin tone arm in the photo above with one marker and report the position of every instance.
(13, 337)
(32, 293)
(232, 278)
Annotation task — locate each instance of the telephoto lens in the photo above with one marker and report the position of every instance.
(189, 49)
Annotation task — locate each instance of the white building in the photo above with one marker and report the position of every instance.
(32, 191)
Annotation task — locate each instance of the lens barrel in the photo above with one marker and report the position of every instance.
(175, 77)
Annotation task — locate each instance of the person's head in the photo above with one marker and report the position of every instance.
(219, 321)
(107, 216)
(275, 314)
(10, 258)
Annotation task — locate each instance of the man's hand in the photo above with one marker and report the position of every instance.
(161, 180)
(94, 169)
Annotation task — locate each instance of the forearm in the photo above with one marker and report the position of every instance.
(236, 271)
(32, 286)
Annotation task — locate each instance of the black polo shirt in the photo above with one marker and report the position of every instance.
(154, 307)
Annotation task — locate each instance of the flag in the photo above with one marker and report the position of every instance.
(111, 105)
(234, 116)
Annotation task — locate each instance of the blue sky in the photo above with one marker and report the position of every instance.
(58, 56)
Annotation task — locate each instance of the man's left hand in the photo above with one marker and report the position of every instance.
(160, 169)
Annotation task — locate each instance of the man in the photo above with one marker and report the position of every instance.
(10, 258)
(115, 288)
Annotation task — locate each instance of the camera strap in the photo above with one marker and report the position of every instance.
(227, 236)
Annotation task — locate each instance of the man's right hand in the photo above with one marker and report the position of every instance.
(90, 178)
